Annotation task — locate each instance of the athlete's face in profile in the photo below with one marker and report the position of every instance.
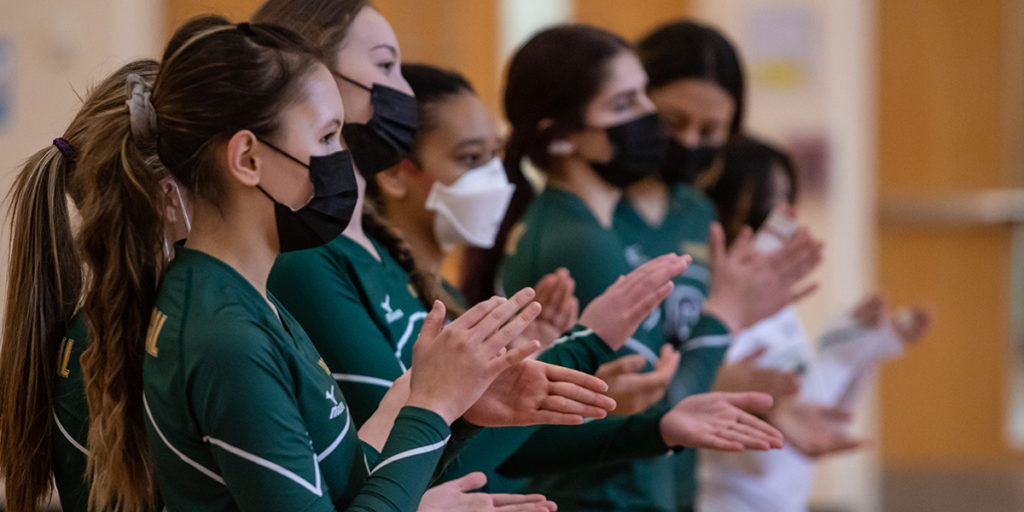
(697, 112)
(368, 55)
(309, 127)
(621, 98)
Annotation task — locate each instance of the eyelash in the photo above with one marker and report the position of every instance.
(386, 66)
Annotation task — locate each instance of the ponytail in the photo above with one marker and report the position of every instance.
(427, 285)
(45, 280)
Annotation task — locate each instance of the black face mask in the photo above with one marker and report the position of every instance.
(388, 136)
(327, 214)
(638, 150)
(684, 164)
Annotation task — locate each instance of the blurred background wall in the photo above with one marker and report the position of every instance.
(907, 120)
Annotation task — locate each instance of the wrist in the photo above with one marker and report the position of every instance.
(433, 405)
(726, 313)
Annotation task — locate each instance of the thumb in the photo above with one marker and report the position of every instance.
(750, 401)
(669, 359)
(625, 364)
(432, 324)
(716, 245)
(474, 480)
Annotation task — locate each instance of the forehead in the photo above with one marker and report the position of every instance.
(370, 29)
(694, 97)
(623, 72)
(464, 117)
(319, 101)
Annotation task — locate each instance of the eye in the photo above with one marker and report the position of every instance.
(386, 66)
(471, 160)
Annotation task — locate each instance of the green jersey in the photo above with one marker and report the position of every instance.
(364, 316)
(71, 421)
(243, 414)
(559, 230)
(685, 229)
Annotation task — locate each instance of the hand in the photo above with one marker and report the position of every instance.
(454, 496)
(719, 421)
(747, 286)
(534, 393)
(812, 429)
(560, 309)
(617, 313)
(633, 391)
(457, 363)
(747, 375)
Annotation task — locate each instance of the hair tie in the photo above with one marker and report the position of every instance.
(65, 148)
(246, 29)
(140, 109)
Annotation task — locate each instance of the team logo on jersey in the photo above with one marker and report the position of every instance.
(324, 366)
(156, 323)
(391, 315)
(65, 357)
(339, 408)
(635, 256)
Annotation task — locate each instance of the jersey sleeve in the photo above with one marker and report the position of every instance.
(325, 302)
(700, 358)
(578, 348)
(245, 404)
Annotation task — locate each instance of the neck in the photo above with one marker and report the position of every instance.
(576, 176)
(355, 230)
(422, 243)
(245, 242)
(650, 198)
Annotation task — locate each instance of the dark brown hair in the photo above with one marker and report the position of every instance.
(44, 291)
(324, 23)
(553, 76)
(215, 79)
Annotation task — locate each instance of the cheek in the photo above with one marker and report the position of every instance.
(593, 146)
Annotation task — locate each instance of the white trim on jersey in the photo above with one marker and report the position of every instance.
(60, 426)
(202, 469)
(364, 379)
(719, 340)
(413, 318)
(636, 346)
(577, 334)
(276, 468)
(411, 453)
(330, 449)
(698, 273)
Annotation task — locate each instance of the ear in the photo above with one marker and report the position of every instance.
(393, 182)
(244, 164)
(171, 202)
(557, 147)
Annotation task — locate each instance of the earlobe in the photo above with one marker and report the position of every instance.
(392, 182)
(243, 164)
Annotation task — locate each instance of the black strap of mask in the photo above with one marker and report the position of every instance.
(283, 152)
(349, 80)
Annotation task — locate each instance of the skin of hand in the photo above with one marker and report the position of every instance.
(634, 391)
(534, 393)
(555, 292)
(720, 421)
(747, 375)
(455, 496)
(617, 313)
(812, 429)
(748, 286)
(456, 363)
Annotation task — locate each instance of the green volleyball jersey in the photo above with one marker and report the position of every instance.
(71, 420)
(685, 229)
(362, 314)
(243, 414)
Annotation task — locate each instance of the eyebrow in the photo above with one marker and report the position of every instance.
(334, 124)
(392, 49)
(470, 142)
(622, 95)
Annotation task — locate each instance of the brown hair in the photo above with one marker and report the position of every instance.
(46, 280)
(324, 23)
(553, 76)
(216, 79)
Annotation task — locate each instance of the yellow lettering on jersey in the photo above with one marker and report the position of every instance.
(156, 323)
(514, 235)
(697, 250)
(65, 356)
(324, 366)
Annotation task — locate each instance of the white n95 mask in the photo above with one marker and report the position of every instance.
(470, 210)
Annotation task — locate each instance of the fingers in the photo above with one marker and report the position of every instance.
(623, 365)
(573, 399)
(469, 482)
(716, 246)
(501, 500)
(770, 433)
(513, 357)
(557, 373)
(432, 325)
(505, 312)
(477, 313)
(751, 438)
(547, 289)
(654, 273)
(651, 298)
(750, 401)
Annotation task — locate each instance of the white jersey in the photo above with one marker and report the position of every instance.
(780, 480)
